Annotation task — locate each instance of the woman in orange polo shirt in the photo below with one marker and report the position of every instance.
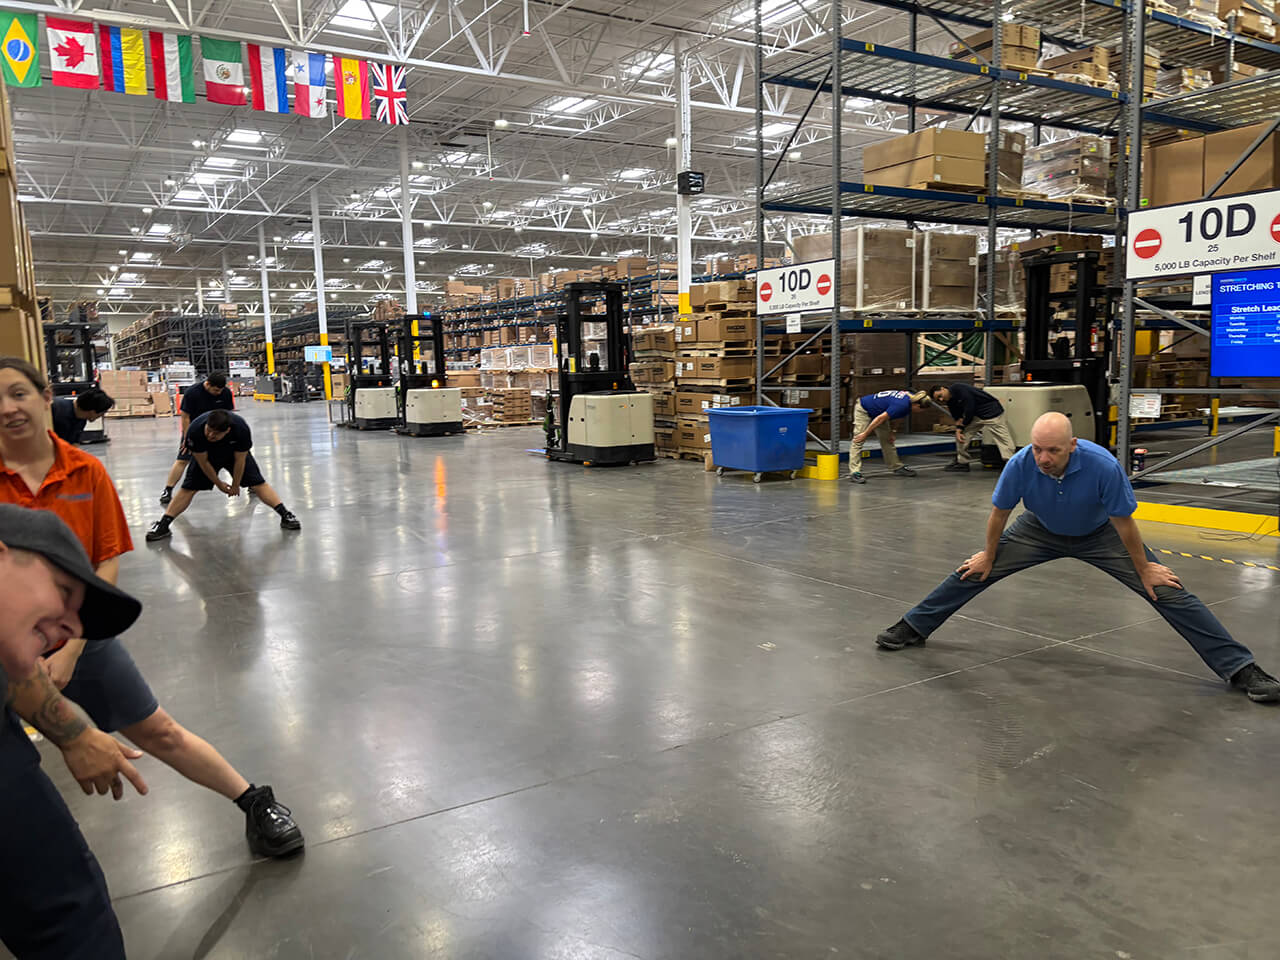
(39, 470)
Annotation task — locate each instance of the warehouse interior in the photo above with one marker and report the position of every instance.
(553, 324)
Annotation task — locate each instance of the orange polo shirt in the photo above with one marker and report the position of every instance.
(78, 489)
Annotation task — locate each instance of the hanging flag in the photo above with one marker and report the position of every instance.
(171, 67)
(223, 71)
(309, 84)
(73, 51)
(124, 60)
(268, 78)
(389, 93)
(351, 83)
(19, 54)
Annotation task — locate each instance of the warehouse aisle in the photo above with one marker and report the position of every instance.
(524, 709)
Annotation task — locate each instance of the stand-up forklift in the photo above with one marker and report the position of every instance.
(601, 418)
(71, 360)
(1069, 377)
(371, 397)
(428, 406)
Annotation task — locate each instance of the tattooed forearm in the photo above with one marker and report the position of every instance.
(39, 702)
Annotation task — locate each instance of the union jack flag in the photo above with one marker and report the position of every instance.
(389, 93)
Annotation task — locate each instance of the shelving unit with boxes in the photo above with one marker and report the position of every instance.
(20, 330)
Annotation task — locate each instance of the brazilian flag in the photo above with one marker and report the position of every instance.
(19, 54)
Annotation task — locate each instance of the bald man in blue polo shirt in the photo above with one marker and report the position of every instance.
(1079, 504)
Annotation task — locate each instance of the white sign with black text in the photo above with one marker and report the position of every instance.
(1208, 236)
(797, 288)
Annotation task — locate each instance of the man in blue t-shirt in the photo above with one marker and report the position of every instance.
(1079, 504)
(872, 413)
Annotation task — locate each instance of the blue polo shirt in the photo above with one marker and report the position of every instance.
(897, 403)
(1093, 489)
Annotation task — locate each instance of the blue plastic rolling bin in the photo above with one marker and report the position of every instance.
(758, 439)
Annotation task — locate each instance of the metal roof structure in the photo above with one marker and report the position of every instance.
(541, 135)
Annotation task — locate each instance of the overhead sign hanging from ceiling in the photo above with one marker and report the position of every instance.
(1208, 236)
(796, 288)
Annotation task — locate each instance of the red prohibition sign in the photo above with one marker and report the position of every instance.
(1147, 243)
(824, 284)
(1275, 228)
(766, 292)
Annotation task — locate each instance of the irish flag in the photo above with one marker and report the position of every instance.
(171, 66)
(223, 71)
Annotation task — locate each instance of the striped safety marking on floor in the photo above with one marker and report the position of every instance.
(1201, 556)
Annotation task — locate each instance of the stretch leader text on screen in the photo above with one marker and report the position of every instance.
(1246, 324)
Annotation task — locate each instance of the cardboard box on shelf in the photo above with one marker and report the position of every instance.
(1058, 243)
(949, 276)
(693, 434)
(715, 368)
(1260, 172)
(696, 403)
(719, 329)
(1239, 71)
(1249, 22)
(652, 371)
(1095, 55)
(686, 329)
(931, 142)
(934, 171)
(664, 403)
(1173, 172)
(660, 339)
(1092, 73)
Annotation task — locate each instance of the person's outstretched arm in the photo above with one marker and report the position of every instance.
(979, 565)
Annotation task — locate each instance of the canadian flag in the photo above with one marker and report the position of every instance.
(74, 53)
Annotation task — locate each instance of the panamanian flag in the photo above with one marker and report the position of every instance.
(269, 78)
(309, 84)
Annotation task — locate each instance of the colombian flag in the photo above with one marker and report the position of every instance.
(124, 60)
(351, 81)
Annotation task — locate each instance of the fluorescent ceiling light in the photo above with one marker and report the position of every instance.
(141, 257)
(354, 14)
(243, 135)
(777, 129)
(571, 105)
(206, 178)
(634, 173)
(188, 193)
(581, 191)
(118, 292)
(222, 163)
(460, 156)
(160, 230)
(651, 66)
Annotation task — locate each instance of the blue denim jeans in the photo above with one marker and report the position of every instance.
(1027, 543)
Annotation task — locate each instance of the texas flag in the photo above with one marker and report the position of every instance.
(268, 78)
(74, 50)
(309, 84)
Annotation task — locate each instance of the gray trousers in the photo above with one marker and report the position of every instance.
(862, 420)
(993, 431)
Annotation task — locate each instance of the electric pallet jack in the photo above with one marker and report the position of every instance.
(428, 407)
(602, 418)
(371, 397)
(71, 360)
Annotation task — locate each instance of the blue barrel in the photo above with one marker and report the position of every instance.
(759, 439)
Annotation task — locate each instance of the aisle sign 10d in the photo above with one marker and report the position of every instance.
(797, 288)
(1208, 236)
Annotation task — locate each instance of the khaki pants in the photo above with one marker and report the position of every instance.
(993, 431)
(862, 420)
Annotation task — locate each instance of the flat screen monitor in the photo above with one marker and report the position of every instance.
(1245, 339)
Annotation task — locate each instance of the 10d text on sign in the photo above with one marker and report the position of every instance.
(797, 288)
(1204, 237)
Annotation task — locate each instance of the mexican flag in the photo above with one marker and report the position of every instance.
(223, 71)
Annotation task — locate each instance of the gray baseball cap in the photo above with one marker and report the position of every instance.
(107, 611)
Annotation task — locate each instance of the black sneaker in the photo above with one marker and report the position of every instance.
(1258, 685)
(905, 471)
(289, 522)
(857, 478)
(167, 495)
(900, 635)
(159, 531)
(956, 467)
(268, 825)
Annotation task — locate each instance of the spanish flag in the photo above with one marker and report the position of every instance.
(351, 81)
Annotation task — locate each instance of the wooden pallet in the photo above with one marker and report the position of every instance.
(503, 423)
(736, 383)
(742, 348)
(698, 456)
(727, 310)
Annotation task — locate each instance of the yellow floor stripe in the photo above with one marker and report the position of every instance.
(1254, 524)
(1242, 563)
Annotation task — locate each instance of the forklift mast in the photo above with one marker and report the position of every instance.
(70, 357)
(579, 374)
(358, 349)
(1048, 356)
(429, 369)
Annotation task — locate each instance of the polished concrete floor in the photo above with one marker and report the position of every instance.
(530, 710)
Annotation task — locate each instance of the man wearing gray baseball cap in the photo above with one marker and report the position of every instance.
(55, 904)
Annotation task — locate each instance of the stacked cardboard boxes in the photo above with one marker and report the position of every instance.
(937, 157)
(1246, 19)
(1020, 45)
(20, 331)
(1239, 71)
(512, 405)
(1077, 167)
(1180, 170)
(654, 371)
(949, 279)
(1011, 280)
(131, 393)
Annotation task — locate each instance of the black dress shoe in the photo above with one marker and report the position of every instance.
(268, 825)
(289, 522)
(159, 531)
(900, 635)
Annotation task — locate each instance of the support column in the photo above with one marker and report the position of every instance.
(837, 173)
(1133, 169)
(993, 190)
(684, 204)
(322, 307)
(759, 81)
(406, 236)
(199, 297)
(266, 301)
(226, 279)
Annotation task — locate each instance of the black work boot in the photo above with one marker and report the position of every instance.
(289, 522)
(159, 530)
(1258, 685)
(900, 635)
(268, 825)
(955, 466)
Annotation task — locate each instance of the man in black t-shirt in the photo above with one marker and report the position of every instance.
(70, 414)
(974, 409)
(219, 440)
(197, 399)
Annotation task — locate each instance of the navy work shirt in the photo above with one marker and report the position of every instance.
(65, 422)
(967, 402)
(1093, 489)
(897, 403)
(197, 400)
(237, 440)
